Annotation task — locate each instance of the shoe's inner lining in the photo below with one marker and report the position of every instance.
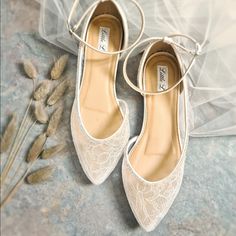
(99, 109)
(157, 151)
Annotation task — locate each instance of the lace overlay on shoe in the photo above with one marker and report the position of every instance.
(150, 201)
(99, 157)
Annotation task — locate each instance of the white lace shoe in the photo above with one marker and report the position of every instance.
(99, 121)
(153, 169)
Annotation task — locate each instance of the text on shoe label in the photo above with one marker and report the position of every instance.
(162, 78)
(103, 41)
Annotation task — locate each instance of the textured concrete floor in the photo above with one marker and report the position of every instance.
(69, 204)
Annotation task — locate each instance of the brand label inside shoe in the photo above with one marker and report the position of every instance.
(162, 78)
(104, 35)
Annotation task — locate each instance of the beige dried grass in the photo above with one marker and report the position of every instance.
(30, 69)
(36, 148)
(52, 151)
(42, 90)
(40, 175)
(40, 113)
(59, 67)
(58, 92)
(8, 135)
(54, 121)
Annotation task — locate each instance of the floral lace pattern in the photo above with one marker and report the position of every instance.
(150, 201)
(99, 157)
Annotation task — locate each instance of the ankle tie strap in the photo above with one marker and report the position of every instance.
(72, 29)
(169, 40)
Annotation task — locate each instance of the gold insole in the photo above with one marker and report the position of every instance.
(157, 151)
(99, 108)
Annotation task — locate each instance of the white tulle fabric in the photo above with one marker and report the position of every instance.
(212, 90)
(98, 157)
(212, 87)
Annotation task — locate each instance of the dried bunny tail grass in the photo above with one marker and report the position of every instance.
(36, 148)
(58, 92)
(42, 90)
(40, 113)
(59, 67)
(51, 152)
(40, 175)
(54, 121)
(8, 134)
(30, 69)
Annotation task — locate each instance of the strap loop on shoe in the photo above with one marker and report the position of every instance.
(72, 29)
(168, 40)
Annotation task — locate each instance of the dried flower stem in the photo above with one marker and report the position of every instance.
(8, 168)
(19, 140)
(8, 135)
(13, 191)
(21, 163)
(26, 125)
(15, 147)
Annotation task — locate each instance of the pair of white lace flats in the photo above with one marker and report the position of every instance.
(153, 163)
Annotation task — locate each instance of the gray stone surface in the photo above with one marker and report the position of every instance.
(69, 204)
